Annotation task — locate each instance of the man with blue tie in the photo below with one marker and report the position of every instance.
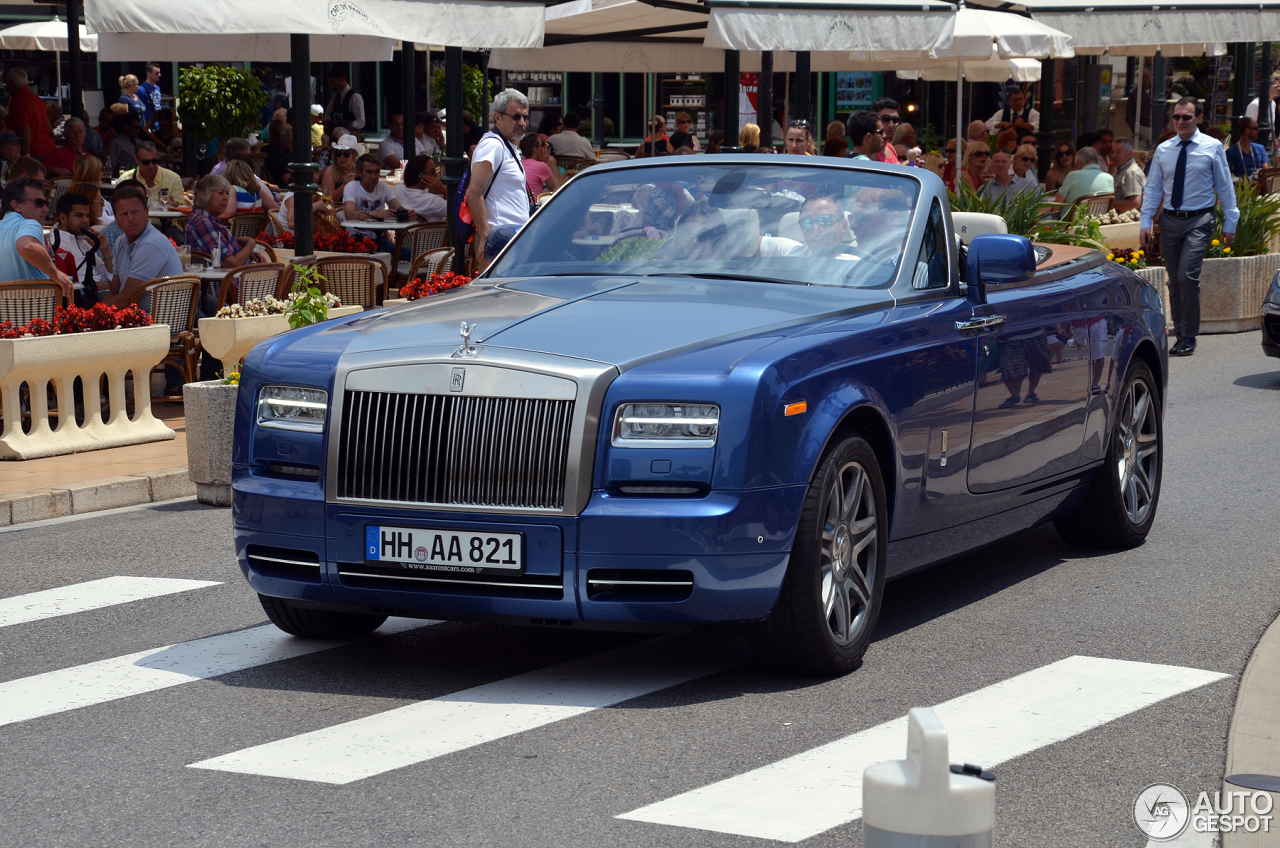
(1189, 173)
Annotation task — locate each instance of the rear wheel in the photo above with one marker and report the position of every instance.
(318, 624)
(831, 595)
(1121, 504)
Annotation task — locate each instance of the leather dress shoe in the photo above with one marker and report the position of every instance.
(1185, 347)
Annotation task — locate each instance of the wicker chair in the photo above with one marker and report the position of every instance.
(354, 280)
(438, 261)
(173, 302)
(252, 282)
(247, 224)
(1093, 204)
(1268, 180)
(419, 240)
(22, 300)
(613, 156)
(543, 197)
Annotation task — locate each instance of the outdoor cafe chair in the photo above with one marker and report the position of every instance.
(1268, 180)
(419, 239)
(1095, 205)
(252, 282)
(438, 261)
(354, 280)
(173, 301)
(22, 300)
(612, 156)
(247, 224)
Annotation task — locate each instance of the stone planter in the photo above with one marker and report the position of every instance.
(1231, 292)
(230, 339)
(211, 413)
(1121, 236)
(59, 360)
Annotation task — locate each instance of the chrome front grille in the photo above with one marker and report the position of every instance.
(453, 450)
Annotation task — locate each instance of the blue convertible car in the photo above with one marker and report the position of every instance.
(702, 389)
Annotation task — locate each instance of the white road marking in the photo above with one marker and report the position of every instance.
(95, 594)
(401, 737)
(809, 793)
(159, 668)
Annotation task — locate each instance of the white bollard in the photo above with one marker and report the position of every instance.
(924, 801)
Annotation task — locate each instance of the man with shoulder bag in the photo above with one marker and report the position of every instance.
(497, 192)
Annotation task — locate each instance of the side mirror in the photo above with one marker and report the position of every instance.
(996, 259)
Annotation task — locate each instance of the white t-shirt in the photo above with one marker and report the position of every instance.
(508, 198)
(430, 207)
(390, 147)
(380, 198)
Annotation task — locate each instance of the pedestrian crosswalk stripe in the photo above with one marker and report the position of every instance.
(95, 594)
(159, 668)
(401, 737)
(812, 792)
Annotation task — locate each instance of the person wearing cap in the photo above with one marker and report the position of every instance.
(335, 178)
(10, 150)
(391, 149)
(317, 126)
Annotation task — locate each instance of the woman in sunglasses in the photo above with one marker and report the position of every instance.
(949, 165)
(343, 170)
(977, 161)
(1064, 162)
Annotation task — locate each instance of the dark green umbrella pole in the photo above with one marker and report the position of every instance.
(729, 120)
(764, 99)
(454, 162)
(804, 103)
(304, 187)
(597, 109)
(1264, 99)
(73, 56)
(1045, 136)
(408, 97)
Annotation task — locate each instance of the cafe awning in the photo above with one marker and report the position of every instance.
(126, 47)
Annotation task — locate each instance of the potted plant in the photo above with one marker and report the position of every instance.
(419, 288)
(85, 344)
(220, 102)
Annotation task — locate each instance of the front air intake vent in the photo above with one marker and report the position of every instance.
(547, 587)
(614, 584)
(291, 563)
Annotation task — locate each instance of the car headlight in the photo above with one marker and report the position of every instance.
(666, 425)
(292, 408)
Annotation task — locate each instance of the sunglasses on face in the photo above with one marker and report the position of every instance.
(877, 132)
(1062, 153)
(1026, 158)
(981, 155)
(346, 153)
(145, 162)
(820, 221)
(1181, 118)
(40, 202)
(890, 119)
(519, 119)
(951, 150)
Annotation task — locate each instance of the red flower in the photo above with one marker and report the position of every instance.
(73, 319)
(436, 283)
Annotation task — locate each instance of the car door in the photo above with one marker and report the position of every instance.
(1032, 388)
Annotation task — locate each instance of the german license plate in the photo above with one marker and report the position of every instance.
(445, 550)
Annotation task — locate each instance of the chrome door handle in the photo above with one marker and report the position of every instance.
(976, 325)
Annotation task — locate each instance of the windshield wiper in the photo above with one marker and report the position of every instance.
(724, 275)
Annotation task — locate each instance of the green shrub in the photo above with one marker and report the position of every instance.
(220, 102)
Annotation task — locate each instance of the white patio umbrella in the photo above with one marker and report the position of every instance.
(46, 35)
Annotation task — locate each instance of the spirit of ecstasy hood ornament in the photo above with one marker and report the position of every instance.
(466, 330)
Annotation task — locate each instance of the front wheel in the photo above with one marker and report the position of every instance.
(1121, 504)
(831, 595)
(318, 624)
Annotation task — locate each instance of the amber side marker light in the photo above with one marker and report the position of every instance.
(797, 408)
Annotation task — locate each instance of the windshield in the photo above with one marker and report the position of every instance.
(780, 223)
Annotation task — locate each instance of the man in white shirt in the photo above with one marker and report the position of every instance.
(1017, 115)
(73, 242)
(567, 142)
(391, 148)
(369, 198)
(431, 134)
(423, 192)
(497, 192)
(346, 104)
(1252, 109)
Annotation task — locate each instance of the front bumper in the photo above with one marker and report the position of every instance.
(625, 561)
(1271, 329)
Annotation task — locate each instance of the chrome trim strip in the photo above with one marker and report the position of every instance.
(285, 561)
(639, 583)
(539, 586)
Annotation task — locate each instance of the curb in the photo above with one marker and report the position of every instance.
(1253, 743)
(95, 495)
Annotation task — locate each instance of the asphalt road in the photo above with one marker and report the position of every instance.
(1198, 595)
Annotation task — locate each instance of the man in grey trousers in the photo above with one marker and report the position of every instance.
(1189, 173)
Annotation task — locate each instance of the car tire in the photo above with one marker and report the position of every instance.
(1121, 504)
(834, 585)
(318, 624)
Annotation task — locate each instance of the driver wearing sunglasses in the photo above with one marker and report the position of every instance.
(23, 255)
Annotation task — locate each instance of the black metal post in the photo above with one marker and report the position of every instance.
(597, 109)
(732, 90)
(485, 97)
(454, 162)
(73, 56)
(1264, 98)
(1159, 97)
(1240, 86)
(764, 99)
(804, 80)
(304, 187)
(1045, 136)
(409, 97)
